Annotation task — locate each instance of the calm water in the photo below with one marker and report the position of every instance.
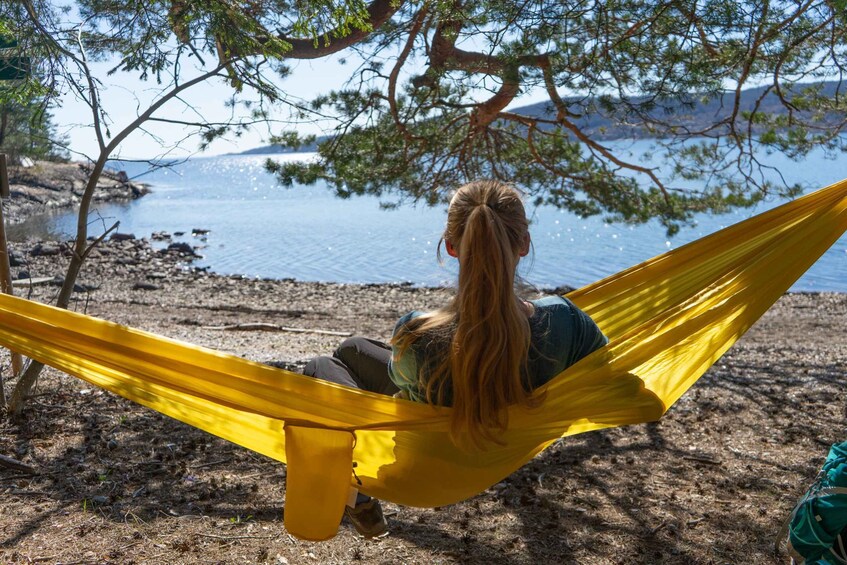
(259, 229)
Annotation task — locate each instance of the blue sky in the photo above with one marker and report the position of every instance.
(124, 95)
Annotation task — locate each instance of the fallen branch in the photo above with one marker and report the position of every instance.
(229, 538)
(22, 492)
(655, 530)
(702, 459)
(694, 522)
(16, 465)
(211, 463)
(258, 326)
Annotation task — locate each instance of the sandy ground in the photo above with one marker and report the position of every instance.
(117, 483)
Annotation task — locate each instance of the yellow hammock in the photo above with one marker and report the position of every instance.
(668, 320)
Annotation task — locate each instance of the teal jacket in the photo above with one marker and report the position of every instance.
(561, 335)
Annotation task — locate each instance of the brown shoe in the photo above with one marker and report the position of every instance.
(367, 518)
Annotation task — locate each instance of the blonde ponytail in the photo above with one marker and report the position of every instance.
(485, 329)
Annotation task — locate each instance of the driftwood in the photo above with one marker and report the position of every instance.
(33, 282)
(16, 465)
(258, 326)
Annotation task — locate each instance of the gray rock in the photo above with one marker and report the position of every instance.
(126, 261)
(59, 280)
(15, 260)
(45, 249)
(181, 247)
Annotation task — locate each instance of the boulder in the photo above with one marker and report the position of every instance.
(45, 249)
(181, 247)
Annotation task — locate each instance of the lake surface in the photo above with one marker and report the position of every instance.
(257, 228)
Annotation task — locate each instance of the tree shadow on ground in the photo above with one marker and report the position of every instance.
(137, 466)
(630, 495)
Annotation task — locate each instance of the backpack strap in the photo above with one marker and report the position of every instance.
(840, 540)
(830, 490)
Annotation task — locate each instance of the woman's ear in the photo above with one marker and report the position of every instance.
(526, 245)
(451, 251)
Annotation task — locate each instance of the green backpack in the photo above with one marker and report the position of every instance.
(817, 528)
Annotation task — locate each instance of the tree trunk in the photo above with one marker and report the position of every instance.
(4, 123)
(27, 380)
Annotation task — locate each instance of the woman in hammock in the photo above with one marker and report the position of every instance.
(488, 348)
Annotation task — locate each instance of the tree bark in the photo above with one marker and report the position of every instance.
(4, 123)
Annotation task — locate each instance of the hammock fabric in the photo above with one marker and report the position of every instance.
(668, 320)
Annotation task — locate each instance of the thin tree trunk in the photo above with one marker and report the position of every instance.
(27, 380)
(4, 123)
(5, 271)
(81, 246)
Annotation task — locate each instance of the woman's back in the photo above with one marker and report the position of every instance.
(560, 335)
(480, 353)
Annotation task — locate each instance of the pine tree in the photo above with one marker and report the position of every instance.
(27, 130)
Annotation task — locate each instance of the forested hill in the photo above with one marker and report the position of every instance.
(694, 115)
(269, 149)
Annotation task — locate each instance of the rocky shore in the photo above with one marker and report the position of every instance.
(48, 186)
(117, 483)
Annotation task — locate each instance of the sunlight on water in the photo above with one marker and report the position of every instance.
(257, 228)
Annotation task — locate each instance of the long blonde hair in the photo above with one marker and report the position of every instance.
(484, 332)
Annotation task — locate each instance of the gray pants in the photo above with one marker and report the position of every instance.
(358, 362)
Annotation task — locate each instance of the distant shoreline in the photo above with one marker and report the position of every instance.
(226, 256)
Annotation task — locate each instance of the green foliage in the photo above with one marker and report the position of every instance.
(154, 38)
(428, 108)
(293, 140)
(417, 126)
(27, 130)
(167, 42)
(326, 20)
(239, 519)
